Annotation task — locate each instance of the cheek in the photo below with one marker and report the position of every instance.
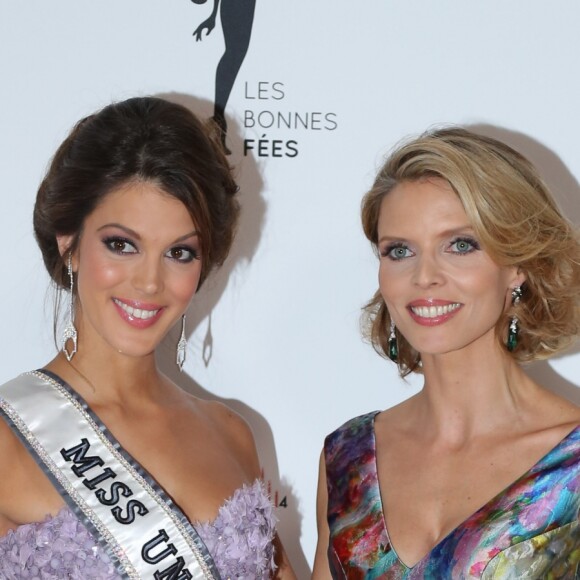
(391, 282)
(184, 285)
(485, 286)
(97, 271)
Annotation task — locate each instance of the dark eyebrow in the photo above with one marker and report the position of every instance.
(135, 235)
(127, 230)
(186, 236)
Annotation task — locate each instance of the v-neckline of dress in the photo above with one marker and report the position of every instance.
(535, 467)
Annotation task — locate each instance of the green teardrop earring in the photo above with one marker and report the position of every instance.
(513, 329)
(393, 346)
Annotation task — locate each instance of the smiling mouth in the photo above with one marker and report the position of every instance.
(434, 311)
(139, 313)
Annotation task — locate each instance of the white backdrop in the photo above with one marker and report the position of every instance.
(280, 321)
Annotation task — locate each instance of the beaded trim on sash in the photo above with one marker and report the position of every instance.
(149, 536)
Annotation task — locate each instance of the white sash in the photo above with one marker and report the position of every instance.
(119, 502)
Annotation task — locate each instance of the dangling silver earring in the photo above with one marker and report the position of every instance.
(181, 346)
(70, 332)
(393, 346)
(513, 330)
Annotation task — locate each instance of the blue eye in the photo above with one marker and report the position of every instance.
(464, 245)
(397, 252)
(182, 254)
(120, 245)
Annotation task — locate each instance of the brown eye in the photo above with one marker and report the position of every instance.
(120, 245)
(182, 254)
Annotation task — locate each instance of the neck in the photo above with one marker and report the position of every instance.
(473, 392)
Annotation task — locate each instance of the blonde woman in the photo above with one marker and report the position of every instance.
(478, 475)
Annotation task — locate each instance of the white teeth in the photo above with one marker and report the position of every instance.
(136, 312)
(434, 311)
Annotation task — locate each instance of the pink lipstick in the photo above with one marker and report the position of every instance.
(138, 314)
(432, 312)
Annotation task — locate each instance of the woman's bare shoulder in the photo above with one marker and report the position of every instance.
(235, 431)
(225, 425)
(26, 494)
(228, 421)
(222, 417)
(556, 414)
(11, 451)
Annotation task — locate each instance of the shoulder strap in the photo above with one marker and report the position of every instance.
(355, 518)
(347, 451)
(114, 496)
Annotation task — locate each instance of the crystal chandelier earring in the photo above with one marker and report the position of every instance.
(393, 346)
(181, 346)
(513, 329)
(70, 332)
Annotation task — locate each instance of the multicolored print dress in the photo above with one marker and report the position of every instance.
(530, 530)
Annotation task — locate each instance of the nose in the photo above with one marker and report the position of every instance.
(428, 271)
(148, 276)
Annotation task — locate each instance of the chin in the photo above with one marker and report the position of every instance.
(437, 349)
(133, 350)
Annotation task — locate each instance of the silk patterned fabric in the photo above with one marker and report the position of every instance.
(528, 531)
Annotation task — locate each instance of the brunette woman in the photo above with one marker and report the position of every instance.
(109, 470)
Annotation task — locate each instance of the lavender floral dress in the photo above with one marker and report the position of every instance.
(239, 540)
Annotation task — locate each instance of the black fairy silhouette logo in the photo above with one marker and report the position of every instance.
(237, 18)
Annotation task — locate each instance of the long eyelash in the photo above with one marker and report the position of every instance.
(110, 239)
(194, 253)
(467, 239)
(386, 251)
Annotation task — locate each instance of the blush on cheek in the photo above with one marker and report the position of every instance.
(102, 275)
(110, 274)
(95, 261)
(182, 282)
(187, 288)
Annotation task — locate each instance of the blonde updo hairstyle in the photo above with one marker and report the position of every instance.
(516, 221)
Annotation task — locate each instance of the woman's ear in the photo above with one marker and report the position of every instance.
(515, 280)
(64, 243)
(518, 280)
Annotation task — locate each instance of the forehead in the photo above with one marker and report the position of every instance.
(424, 205)
(143, 203)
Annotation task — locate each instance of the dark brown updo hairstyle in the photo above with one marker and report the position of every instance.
(517, 222)
(141, 139)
